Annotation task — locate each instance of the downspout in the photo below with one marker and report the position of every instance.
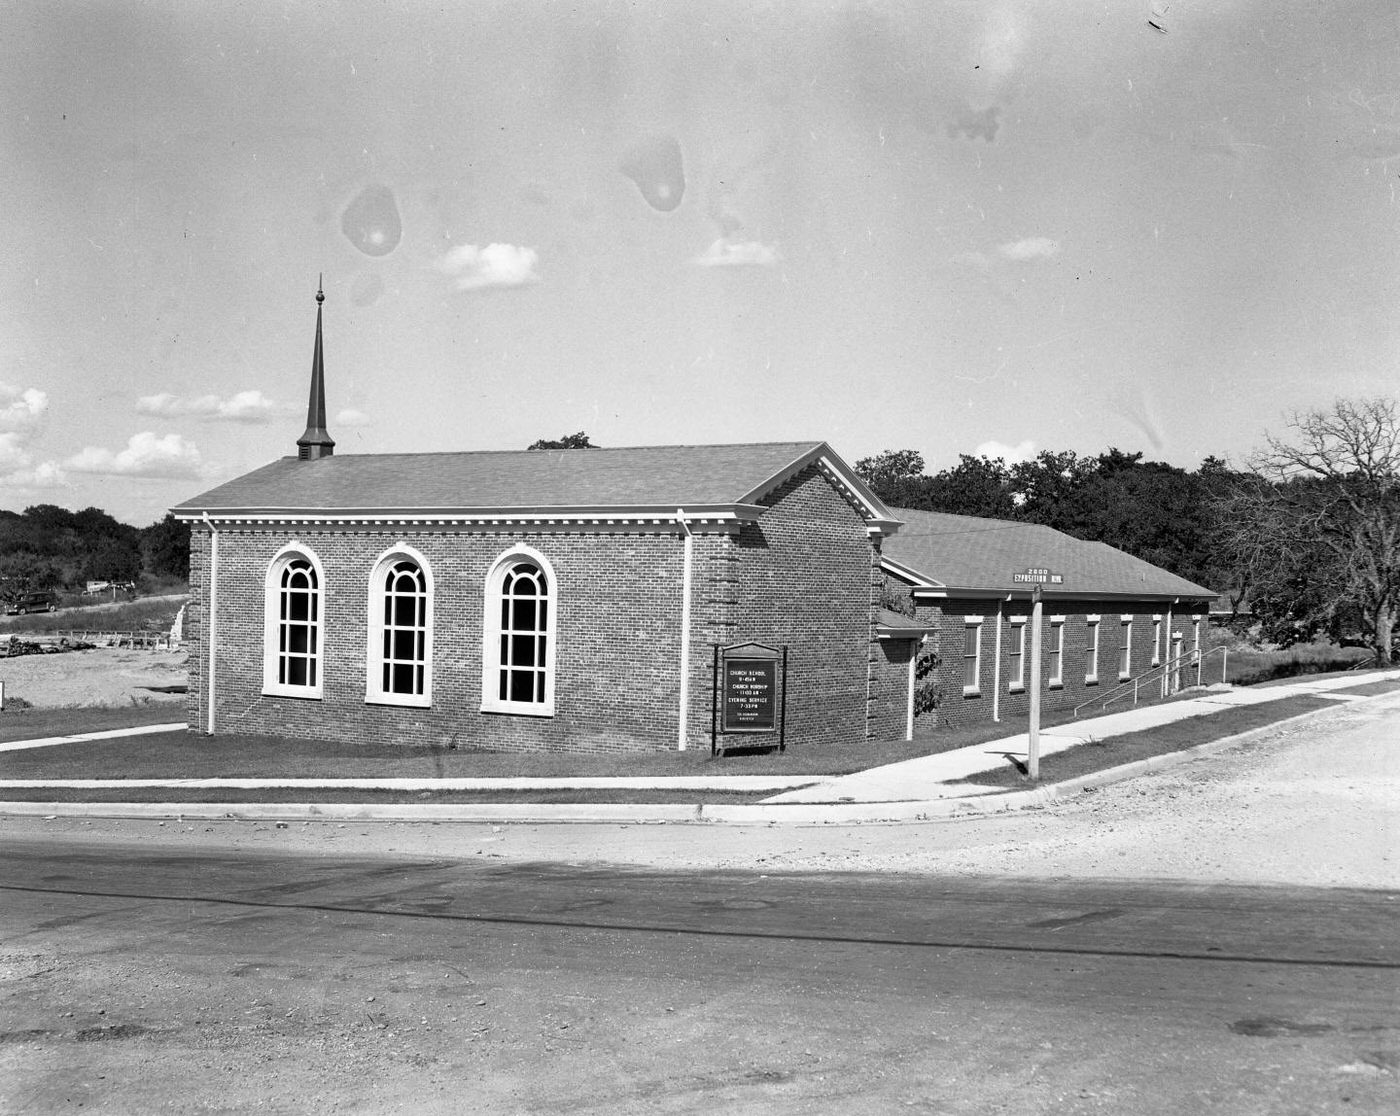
(996, 669)
(913, 664)
(212, 627)
(687, 569)
(1167, 654)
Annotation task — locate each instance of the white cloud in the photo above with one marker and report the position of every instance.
(47, 474)
(21, 408)
(1000, 44)
(496, 265)
(146, 455)
(352, 417)
(242, 406)
(1032, 248)
(1025, 451)
(737, 253)
(13, 455)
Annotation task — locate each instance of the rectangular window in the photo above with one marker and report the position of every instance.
(1125, 648)
(1091, 649)
(972, 657)
(1016, 656)
(1057, 652)
(1156, 640)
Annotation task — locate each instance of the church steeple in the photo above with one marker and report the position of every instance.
(316, 442)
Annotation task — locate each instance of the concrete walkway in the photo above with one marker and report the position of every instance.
(933, 777)
(915, 789)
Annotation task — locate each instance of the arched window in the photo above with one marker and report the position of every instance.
(518, 645)
(292, 625)
(400, 654)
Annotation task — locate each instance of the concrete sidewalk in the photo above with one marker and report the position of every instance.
(916, 789)
(934, 777)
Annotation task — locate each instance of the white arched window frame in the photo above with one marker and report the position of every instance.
(399, 652)
(518, 635)
(294, 597)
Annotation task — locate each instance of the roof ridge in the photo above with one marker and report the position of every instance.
(591, 449)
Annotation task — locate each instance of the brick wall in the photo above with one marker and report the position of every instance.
(951, 618)
(889, 690)
(618, 602)
(802, 576)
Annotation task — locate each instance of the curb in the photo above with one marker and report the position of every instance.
(797, 814)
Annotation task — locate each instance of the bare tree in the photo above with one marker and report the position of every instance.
(1316, 528)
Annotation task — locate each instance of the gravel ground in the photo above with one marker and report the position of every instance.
(104, 676)
(1314, 803)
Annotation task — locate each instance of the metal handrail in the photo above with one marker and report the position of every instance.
(1162, 670)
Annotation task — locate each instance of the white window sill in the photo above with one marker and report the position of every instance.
(972, 691)
(1016, 688)
(306, 693)
(519, 708)
(411, 701)
(1094, 681)
(1054, 685)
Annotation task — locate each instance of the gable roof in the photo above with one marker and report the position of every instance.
(962, 555)
(726, 480)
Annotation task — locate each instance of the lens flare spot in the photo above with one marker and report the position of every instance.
(655, 165)
(371, 221)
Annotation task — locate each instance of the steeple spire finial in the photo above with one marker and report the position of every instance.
(316, 442)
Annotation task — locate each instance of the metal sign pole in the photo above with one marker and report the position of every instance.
(1033, 757)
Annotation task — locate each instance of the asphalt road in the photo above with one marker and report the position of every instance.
(140, 980)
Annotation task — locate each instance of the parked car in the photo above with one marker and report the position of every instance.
(33, 602)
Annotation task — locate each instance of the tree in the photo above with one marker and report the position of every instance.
(165, 546)
(974, 486)
(112, 559)
(889, 468)
(1316, 527)
(568, 441)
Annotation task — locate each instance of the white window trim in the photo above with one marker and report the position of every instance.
(491, 635)
(974, 622)
(1017, 683)
(1125, 649)
(1156, 639)
(1091, 665)
(1056, 681)
(272, 621)
(375, 693)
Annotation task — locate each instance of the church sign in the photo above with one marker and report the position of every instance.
(750, 691)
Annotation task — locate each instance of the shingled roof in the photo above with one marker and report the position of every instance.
(960, 553)
(656, 479)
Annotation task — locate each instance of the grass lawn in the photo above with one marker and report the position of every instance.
(35, 724)
(182, 755)
(1115, 751)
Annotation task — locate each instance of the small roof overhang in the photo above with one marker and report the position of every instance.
(895, 625)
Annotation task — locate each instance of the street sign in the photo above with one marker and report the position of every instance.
(1037, 575)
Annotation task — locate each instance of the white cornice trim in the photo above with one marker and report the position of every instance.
(720, 517)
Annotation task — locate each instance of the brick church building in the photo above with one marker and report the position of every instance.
(574, 599)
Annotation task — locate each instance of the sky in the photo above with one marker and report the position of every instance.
(954, 226)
